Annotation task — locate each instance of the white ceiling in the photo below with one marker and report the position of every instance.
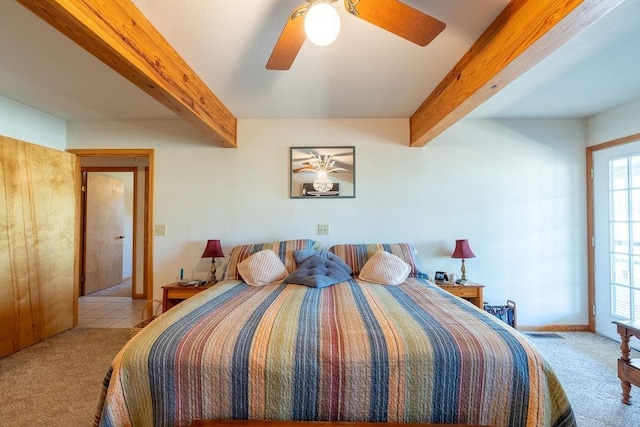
(367, 72)
(596, 71)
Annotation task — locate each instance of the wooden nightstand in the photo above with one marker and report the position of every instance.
(173, 294)
(472, 292)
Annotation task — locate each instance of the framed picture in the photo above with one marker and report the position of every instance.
(322, 173)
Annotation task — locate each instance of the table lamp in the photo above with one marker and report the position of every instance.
(213, 251)
(462, 251)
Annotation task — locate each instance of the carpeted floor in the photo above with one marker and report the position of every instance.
(588, 370)
(121, 290)
(58, 382)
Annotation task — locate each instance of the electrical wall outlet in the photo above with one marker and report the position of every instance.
(160, 230)
(323, 229)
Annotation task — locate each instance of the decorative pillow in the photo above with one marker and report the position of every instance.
(284, 249)
(317, 271)
(385, 269)
(262, 268)
(303, 254)
(356, 255)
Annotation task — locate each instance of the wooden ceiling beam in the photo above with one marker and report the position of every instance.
(117, 33)
(524, 33)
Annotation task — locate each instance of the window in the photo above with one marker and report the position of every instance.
(624, 228)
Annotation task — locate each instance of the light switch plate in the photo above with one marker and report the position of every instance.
(160, 230)
(323, 229)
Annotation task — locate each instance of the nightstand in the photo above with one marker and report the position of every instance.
(173, 294)
(472, 292)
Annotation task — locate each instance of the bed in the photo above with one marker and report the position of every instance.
(354, 350)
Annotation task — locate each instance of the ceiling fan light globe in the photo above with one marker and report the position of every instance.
(322, 24)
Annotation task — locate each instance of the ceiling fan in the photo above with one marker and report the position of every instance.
(327, 163)
(391, 15)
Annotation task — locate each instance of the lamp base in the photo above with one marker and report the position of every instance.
(463, 279)
(213, 279)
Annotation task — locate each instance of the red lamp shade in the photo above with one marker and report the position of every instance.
(462, 250)
(213, 250)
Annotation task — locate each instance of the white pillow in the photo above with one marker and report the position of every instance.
(262, 268)
(384, 268)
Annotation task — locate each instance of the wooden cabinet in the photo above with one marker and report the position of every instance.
(472, 292)
(39, 201)
(173, 294)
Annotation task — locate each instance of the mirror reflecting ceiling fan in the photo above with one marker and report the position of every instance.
(391, 15)
(328, 162)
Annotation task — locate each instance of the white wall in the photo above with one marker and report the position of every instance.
(616, 123)
(515, 189)
(27, 124)
(525, 213)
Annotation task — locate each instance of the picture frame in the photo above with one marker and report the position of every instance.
(322, 172)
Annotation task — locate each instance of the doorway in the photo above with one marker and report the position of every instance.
(614, 223)
(141, 164)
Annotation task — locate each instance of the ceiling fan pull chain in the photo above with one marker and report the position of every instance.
(350, 5)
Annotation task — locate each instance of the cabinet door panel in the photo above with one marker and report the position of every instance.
(38, 246)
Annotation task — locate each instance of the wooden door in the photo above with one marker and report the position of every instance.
(104, 223)
(39, 213)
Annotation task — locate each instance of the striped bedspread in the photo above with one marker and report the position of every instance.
(350, 352)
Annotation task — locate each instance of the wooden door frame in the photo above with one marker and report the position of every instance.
(148, 211)
(83, 237)
(591, 231)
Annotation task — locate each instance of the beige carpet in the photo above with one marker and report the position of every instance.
(58, 382)
(588, 369)
(121, 290)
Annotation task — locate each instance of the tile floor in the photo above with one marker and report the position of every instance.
(109, 312)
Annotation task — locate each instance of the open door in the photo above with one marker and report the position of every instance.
(39, 218)
(104, 224)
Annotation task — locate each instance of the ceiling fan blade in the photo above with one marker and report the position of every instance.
(304, 169)
(291, 40)
(398, 18)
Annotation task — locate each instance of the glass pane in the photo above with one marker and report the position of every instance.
(619, 206)
(636, 304)
(620, 269)
(635, 205)
(635, 171)
(620, 237)
(620, 301)
(636, 272)
(635, 234)
(618, 171)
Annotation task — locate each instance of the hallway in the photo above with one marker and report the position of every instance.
(109, 312)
